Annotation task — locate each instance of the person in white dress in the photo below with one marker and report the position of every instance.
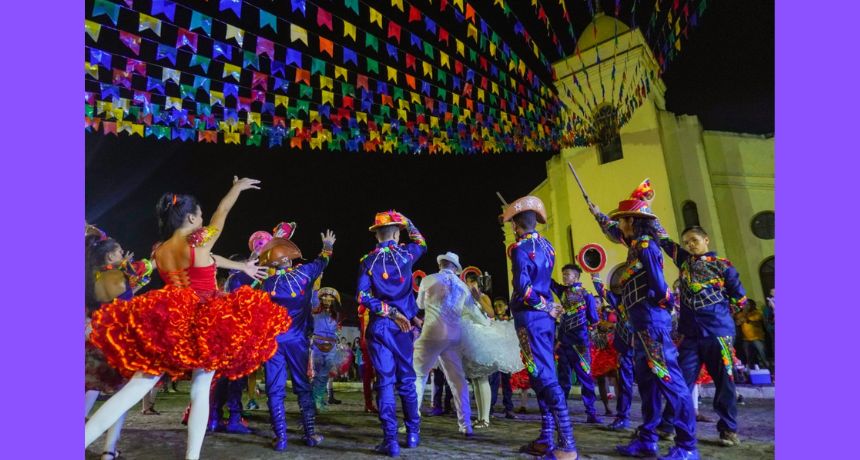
(443, 297)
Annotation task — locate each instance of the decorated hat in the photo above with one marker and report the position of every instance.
(285, 230)
(471, 269)
(330, 291)
(450, 257)
(526, 203)
(417, 276)
(258, 240)
(639, 203)
(386, 218)
(92, 230)
(278, 248)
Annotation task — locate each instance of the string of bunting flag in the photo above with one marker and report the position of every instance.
(463, 126)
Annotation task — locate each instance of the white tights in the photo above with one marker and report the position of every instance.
(112, 437)
(136, 389)
(481, 387)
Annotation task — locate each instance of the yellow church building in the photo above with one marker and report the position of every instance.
(720, 180)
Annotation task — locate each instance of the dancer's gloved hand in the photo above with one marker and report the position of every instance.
(328, 238)
(593, 208)
(556, 310)
(418, 322)
(255, 271)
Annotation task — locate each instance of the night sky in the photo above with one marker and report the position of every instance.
(724, 75)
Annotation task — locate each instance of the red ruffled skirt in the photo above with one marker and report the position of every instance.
(520, 380)
(604, 361)
(174, 330)
(704, 377)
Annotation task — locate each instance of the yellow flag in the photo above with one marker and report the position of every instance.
(326, 82)
(386, 127)
(340, 72)
(151, 23)
(494, 88)
(327, 97)
(173, 102)
(404, 104)
(314, 116)
(401, 114)
(231, 138)
(349, 30)
(281, 100)
(232, 70)
(398, 4)
(137, 129)
(461, 48)
(492, 49)
(92, 69)
(117, 113)
(480, 95)
(472, 32)
(360, 116)
(443, 59)
(216, 97)
(375, 16)
(428, 68)
(254, 117)
(455, 98)
(298, 34)
(392, 73)
(296, 124)
(93, 29)
(414, 97)
(235, 33)
(316, 143)
(434, 122)
(458, 3)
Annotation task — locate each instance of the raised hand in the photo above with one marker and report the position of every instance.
(328, 238)
(593, 208)
(245, 183)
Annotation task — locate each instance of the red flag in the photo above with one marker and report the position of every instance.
(443, 35)
(414, 14)
(394, 31)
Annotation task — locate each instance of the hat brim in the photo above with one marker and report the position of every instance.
(618, 214)
(376, 227)
(442, 257)
(509, 214)
(293, 249)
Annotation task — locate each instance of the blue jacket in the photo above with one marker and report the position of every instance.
(292, 288)
(710, 290)
(580, 311)
(385, 276)
(532, 261)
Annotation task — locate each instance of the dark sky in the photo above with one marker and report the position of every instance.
(725, 76)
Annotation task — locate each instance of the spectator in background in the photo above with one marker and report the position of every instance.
(750, 322)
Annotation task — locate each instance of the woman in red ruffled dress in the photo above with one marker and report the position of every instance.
(189, 326)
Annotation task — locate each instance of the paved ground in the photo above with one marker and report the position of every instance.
(350, 433)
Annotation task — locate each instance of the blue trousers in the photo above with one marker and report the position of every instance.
(229, 392)
(624, 382)
(390, 351)
(658, 374)
(503, 378)
(536, 332)
(292, 356)
(693, 352)
(575, 356)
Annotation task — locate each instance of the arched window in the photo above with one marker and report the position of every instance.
(766, 274)
(763, 225)
(691, 214)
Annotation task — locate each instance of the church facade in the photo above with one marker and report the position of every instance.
(721, 181)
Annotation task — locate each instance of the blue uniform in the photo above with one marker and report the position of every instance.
(623, 344)
(292, 288)
(532, 261)
(229, 392)
(646, 297)
(385, 286)
(574, 351)
(710, 289)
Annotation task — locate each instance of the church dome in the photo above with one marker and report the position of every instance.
(606, 26)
